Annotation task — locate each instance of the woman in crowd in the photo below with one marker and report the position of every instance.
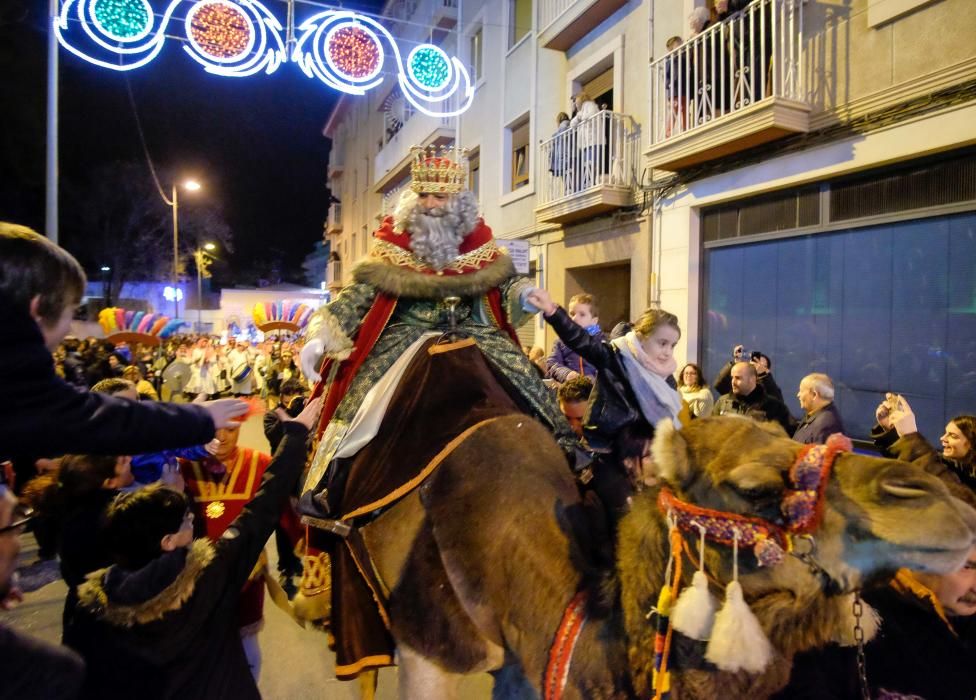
(692, 387)
(73, 500)
(897, 435)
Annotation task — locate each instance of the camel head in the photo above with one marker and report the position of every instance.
(868, 516)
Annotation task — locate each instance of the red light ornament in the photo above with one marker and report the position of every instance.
(220, 30)
(354, 52)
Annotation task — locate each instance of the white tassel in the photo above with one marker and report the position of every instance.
(694, 613)
(738, 642)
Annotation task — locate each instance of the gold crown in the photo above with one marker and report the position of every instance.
(433, 171)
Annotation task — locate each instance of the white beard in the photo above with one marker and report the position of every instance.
(435, 235)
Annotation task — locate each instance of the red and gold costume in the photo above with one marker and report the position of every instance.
(220, 496)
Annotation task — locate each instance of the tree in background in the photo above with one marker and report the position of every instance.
(120, 221)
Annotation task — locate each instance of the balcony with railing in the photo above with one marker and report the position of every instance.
(422, 20)
(736, 85)
(334, 222)
(588, 169)
(392, 162)
(564, 22)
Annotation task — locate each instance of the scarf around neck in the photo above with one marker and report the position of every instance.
(647, 378)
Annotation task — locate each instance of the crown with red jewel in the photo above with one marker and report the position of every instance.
(433, 171)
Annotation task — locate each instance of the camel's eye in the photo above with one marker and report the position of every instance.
(760, 486)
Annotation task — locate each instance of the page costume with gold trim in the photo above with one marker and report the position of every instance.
(219, 499)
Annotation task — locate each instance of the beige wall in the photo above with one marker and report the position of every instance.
(851, 66)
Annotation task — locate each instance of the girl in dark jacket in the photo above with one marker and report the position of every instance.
(635, 389)
(896, 434)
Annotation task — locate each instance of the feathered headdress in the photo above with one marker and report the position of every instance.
(282, 315)
(121, 326)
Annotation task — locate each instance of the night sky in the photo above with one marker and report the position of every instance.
(255, 143)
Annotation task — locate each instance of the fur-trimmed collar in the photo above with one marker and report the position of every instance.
(93, 595)
(403, 281)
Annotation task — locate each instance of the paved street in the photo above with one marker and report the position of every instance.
(297, 662)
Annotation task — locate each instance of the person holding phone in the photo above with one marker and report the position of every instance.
(896, 434)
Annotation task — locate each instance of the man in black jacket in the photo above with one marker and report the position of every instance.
(821, 419)
(162, 623)
(42, 415)
(748, 398)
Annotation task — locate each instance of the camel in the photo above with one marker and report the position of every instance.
(481, 561)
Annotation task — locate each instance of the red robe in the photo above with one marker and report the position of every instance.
(220, 498)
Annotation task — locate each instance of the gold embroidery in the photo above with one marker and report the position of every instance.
(402, 257)
(215, 509)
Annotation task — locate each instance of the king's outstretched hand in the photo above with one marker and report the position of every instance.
(311, 360)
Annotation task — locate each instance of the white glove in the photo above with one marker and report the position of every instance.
(311, 359)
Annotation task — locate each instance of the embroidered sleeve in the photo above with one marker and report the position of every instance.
(513, 290)
(335, 323)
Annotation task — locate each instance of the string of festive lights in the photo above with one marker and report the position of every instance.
(235, 38)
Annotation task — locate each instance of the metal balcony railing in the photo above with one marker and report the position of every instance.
(550, 10)
(601, 151)
(754, 55)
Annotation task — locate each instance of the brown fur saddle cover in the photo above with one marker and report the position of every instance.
(447, 390)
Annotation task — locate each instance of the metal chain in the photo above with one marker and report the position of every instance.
(862, 672)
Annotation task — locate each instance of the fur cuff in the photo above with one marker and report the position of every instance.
(326, 327)
(92, 595)
(404, 282)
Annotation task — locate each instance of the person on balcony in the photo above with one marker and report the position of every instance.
(675, 73)
(561, 154)
(590, 139)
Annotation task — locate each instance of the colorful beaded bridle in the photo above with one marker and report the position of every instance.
(801, 507)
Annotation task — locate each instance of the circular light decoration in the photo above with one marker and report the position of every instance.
(122, 20)
(354, 52)
(220, 31)
(429, 66)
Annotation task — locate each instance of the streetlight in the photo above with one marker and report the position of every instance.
(106, 280)
(189, 186)
(202, 257)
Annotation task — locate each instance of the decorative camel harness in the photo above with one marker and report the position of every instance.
(693, 613)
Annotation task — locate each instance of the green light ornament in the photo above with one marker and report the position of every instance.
(429, 67)
(122, 20)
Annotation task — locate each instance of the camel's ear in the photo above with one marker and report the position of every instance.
(670, 452)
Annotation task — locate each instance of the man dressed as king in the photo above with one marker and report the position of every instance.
(434, 247)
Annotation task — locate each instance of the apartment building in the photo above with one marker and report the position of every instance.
(829, 221)
(795, 178)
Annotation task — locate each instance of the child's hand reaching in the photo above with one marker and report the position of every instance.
(540, 299)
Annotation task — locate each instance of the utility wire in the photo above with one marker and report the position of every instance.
(142, 140)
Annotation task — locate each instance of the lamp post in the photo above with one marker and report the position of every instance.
(202, 257)
(190, 186)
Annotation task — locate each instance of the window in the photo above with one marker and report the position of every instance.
(474, 172)
(879, 308)
(518, 138)
(519, 20)
(365, 239)
(475, 53)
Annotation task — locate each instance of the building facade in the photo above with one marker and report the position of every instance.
(796, 177)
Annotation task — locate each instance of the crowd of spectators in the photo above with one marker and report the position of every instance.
(154, 607)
